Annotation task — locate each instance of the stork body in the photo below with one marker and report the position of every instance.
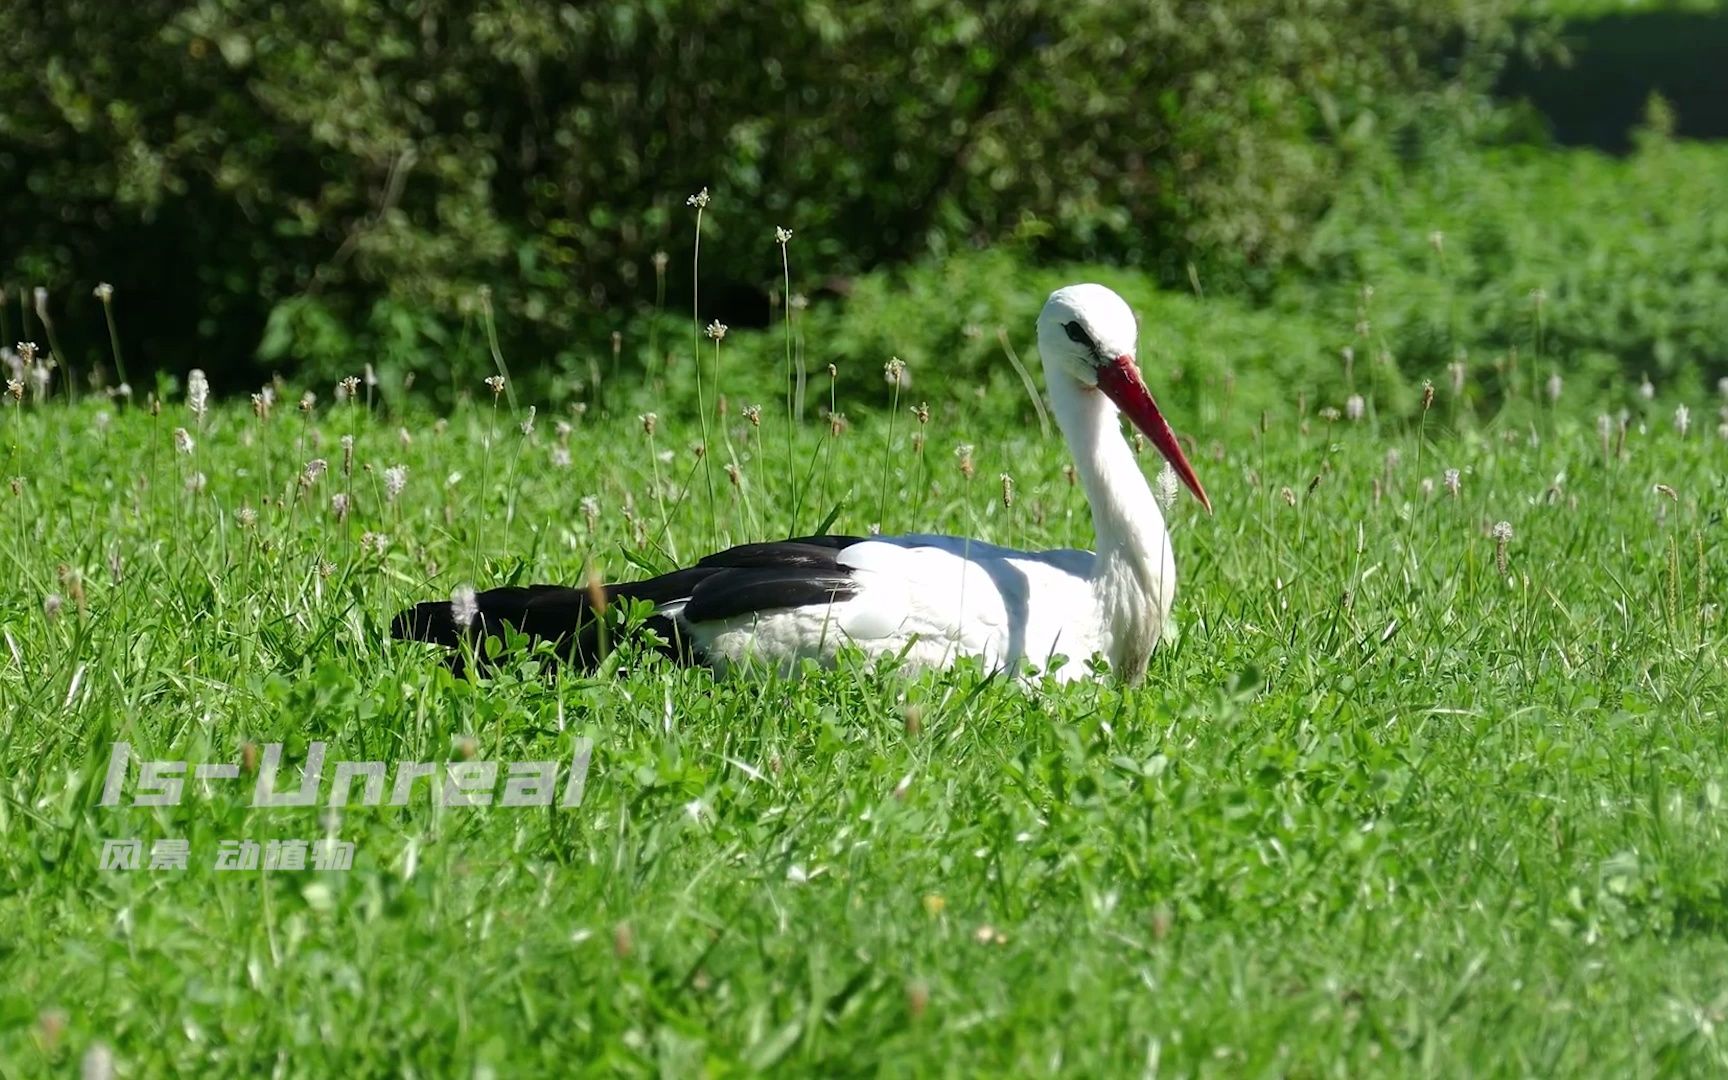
(929, 600)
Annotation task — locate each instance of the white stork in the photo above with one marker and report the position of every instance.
(927, 599)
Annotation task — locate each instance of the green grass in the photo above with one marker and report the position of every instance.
(1380, 809)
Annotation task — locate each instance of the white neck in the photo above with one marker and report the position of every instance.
(1133, 575)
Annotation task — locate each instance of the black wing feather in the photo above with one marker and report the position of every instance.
(738, 581)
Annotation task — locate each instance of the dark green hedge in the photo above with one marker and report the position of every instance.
(334, 180)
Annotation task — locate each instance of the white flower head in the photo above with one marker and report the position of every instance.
(1682, 419)
(464, 606)
(183, 440)
(698, 200)
(782, 234)
(1166, 487)
(1555, 385)
(1354, 407)
(395, 479)
(1453, 481)
(528, 424)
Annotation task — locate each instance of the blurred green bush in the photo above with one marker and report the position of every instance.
(1572, 260)
(325, 182)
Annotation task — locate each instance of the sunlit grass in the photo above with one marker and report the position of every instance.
(1380, 807)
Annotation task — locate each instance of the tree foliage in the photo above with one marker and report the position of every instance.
(316, 178)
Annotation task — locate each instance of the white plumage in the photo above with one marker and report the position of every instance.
(927, 599)
(932, 599)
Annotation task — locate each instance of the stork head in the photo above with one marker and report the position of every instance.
(1087, 333)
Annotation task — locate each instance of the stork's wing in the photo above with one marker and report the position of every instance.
(739, 581)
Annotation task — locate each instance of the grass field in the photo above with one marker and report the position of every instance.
(1404, 795)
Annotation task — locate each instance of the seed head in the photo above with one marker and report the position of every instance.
(1502, 537)
(26, 351)
(734, 475)
(348, 387)
(347, 455)
(51, 605)
(782, 235)
(307, 401)
(245, 517)
(195, 483)
(922, 412)
(15, 389)
(183, 440)
(716, 330)
(395, 479)
(528, 423)
(1452, 480)
(339, 506)
(649, 422)
(103, 292)
(314, 469)
(698, 200)
(1165, 487)
(895, 372)
(963, 452)
(1007, 492)
(1427, 395)
(590, 507)
(464, 606)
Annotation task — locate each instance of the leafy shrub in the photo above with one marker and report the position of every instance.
(1580, 262)
(352, 173)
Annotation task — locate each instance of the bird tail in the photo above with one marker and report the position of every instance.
(573, 620)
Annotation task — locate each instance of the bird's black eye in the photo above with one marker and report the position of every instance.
(1077, 334)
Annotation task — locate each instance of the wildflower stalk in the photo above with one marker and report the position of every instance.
(717, 331)
(783, 236)
(491, 328)
(895, 370)
(105, 293)
(700, 202)
(54, 345)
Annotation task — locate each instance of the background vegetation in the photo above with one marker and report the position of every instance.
(1428, 781)
(292, 185)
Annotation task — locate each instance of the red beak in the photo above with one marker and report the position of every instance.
(1121, 380)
